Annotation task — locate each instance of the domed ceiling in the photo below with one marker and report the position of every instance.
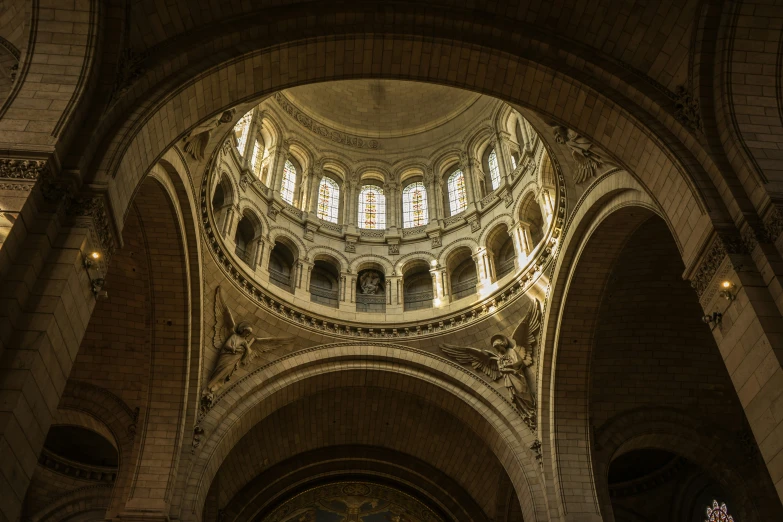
(381, 108)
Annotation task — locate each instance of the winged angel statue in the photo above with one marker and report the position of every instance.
(509, 359)
(234, 341)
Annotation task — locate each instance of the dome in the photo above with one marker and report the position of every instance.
(381, 108)
(358, 203)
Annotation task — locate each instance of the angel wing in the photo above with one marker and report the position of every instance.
(224, 321)
(526, 334)
(266, 344)
(478, 359)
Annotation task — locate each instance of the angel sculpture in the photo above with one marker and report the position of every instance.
(234, 342)
(510, 359)
(587, 159)
(197, 140)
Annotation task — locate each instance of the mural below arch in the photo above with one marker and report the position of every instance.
(353, 501)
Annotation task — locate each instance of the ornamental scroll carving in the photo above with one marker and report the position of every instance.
(720, 248)
(29, 170)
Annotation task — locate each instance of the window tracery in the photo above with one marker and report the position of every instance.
(457, 195)
(289, 183)
(718, 513)
(494, 170)
(241, 130)
(372, 208)
(414, 205)
(328, 200)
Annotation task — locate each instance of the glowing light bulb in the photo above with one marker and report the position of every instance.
(95, 255)
(726, 284)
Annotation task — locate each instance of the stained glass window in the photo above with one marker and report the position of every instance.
(458, 199)
(328, 199)
(718, 513)
(240, 131)
(372, 207)
(514, 161)
(255, 160)
(414, 205)
(494, 170)
(289, 183)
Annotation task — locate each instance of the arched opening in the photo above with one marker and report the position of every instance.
(660, 486)
(532, 222)
(501, 250)
(371, 289)
(245, 240)
(81, 446)
(417, 286)
(463, 277)
(281, 266)
(455, 197)
(325, 283)
(221, 202)
(491, 167)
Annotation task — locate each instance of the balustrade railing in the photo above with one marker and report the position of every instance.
(245, 254)
(464, 288)
(370, 303)
(417, 300)
(280, 279)
(324, 296)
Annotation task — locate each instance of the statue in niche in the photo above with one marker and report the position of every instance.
(370, 283)
(234, 341)
(197, 140)
(508, 361)
(587, 158)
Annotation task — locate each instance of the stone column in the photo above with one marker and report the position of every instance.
(281, 156)
(501, 151)
(468, 167)
(748, 339)
(523, 242)
(545, 200)
(433, 202)
(315, 182)
(47, 303)
(482, 268)
(350, 201)
(390, 192)
(259, 254)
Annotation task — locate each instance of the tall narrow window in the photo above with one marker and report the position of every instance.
(255, 160)
(514, 161)
(240, 131)
(718, 513)
(289, 182)
(494, 170)
(457, 197)
(414, 205)
(372, 208)
(328, 200)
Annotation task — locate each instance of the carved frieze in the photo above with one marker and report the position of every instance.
(322, 130)
(721, 246)
(17, 169)
(686, 107)
(585, 154)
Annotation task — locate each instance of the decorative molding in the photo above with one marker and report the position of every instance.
(453, 219)
(129, 69)
(24, 169)
(436, 242)
(350, 246)
(774, 223)
(77, 470)
(412, 231)
(363, 232)
(686, 108)
(321, 129)
(535, 447)
(11, 48)
(722, 245)
(94, 207)
(475, 223)
(334, 227)
(394, 249)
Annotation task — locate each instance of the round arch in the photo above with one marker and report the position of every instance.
(288, 378)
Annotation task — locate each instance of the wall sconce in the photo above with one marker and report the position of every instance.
(96, 284)
(728, 290)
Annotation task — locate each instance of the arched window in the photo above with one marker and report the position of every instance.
(718, 513)
(457, 196)
(328, 199)
(288, 185)
(240, 131)
(255, 159)
(372, 208)
(494, 170)
(414, 205)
